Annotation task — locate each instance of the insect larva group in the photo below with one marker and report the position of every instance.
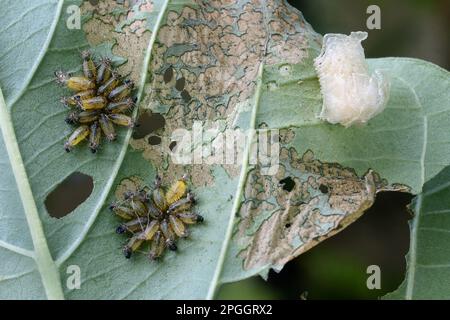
(100, 101)
(157, 216)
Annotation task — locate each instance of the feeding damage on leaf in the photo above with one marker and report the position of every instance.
(205, 63)
(108, 21)
(276, 224)
(203, 69)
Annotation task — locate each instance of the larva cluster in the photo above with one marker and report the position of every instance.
(156, 216)
(100, 100)
(351, 94)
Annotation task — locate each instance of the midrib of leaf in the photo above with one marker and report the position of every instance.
(47, 267)
(123, 150)
(41, 255)
(413, 250)
(240, 188)
(415, 224)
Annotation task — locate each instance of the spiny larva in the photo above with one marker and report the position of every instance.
(100, 100)
(156, 216)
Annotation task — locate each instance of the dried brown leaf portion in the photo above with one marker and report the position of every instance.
(278, 222)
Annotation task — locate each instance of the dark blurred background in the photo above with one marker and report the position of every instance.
(409, 28)
(336, 269)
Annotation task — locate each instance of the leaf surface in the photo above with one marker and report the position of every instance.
(428, 263)
(205, 66)
(336, 172)
(35, 118)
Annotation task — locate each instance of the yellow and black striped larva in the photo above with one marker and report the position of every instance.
(100, 99)
(156, 216)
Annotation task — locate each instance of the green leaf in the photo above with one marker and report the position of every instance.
(39, 258)
(251, 222)
(337, 171)
(220, 66)
(85, 237)
(217, 187)
(33, 131)
(428, 258)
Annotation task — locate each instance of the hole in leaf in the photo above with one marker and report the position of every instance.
(179, 85)
(323, 188)
(154, 140)
(172, 145)
(69, 194)
(337, 268)
(186, 96)
(147, 123)
(168, 75)
(288, 184)
(287, 225)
